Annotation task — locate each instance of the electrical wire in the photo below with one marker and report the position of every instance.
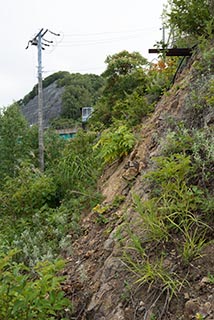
(72, 40)
(96, 42)
(107, 32)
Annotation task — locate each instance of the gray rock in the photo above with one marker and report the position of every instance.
(52, 105)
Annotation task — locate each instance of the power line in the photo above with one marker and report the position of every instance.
(41, 43)
(95, 42)
(92, 39)
(107, 32)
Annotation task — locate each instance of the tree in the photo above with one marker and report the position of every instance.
(124, 75)
(14, 144)
(80, 91)
(74, 98)
(191, 17)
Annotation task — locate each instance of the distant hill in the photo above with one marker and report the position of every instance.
(64, 95)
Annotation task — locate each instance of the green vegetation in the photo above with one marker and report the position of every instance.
(115, 143)
(35, 297)
(40, 213)
(177, 213)
(125, 84)
(190, 17)
(14, 141)
(80, 91)
(45, 83)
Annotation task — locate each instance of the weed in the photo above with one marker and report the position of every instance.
(153, 223)
(211, 278)
(194, 241)
(171, 208)
(125, 295)
(199, 316)
(118, 200)
(153, 273)
(100, 212)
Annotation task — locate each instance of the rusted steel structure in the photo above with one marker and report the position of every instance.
(174, 52)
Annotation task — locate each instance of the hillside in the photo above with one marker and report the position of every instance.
(64, 95)
(100, 282)
(52, 97)
(118, 223)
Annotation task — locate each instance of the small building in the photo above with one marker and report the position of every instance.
(68, 133)
(86, 113)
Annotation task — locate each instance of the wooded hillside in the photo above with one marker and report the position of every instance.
(119, 226)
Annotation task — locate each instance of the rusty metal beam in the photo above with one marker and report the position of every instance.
(173, 52)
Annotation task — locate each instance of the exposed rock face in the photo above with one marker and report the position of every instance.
(52, 104)
(97, 276)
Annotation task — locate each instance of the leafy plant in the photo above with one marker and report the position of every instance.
(115, 143)
(211, 278)
(26, 193)
(190, 17)
(25, 296)
(209, 97)
(132, 108)
(160, 76)
(14, 143)
(124, 88)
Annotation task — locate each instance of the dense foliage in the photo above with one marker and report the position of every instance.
(80, 91)
(40, 213)
(192, 17)
(124, 77)
(14, 141)
(24, 297)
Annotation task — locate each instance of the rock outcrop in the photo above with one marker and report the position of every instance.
(52, 104)
(98, 279)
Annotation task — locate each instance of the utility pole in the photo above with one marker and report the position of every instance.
(40, 102)
(40, 42)
(163, 35)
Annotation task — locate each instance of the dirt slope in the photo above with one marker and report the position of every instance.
(98, 281)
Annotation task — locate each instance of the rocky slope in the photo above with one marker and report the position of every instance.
(99, 282)
(52, 103)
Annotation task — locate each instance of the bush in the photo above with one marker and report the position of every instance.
(37, 296)
(131, 109)
(115, 143)
(78, 167)
(26, 193)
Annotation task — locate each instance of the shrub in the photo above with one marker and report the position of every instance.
(78, 167)
(131, 109)
(160, 76)
(115, 143)
(31, 296)
(27, 193)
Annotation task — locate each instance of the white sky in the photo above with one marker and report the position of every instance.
(91, 30)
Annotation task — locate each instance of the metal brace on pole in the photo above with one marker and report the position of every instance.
(37, 41)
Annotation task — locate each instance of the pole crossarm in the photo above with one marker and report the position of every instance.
(41, 43)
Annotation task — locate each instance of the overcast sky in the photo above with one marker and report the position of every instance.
(90, 31)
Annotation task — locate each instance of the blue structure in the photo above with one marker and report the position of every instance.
(67, 133)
